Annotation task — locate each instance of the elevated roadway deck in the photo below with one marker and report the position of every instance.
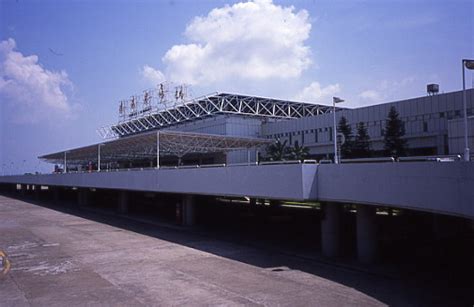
(445, 188)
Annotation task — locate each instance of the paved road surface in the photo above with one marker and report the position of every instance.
(60, 259)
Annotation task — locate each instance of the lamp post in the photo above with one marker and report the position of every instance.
(98, 156)
(65, 162)
(469, 64)
(334, 101)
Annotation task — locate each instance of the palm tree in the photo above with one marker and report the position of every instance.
(299, 152)
(277, 151)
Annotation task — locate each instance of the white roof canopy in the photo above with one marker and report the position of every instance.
(146, 145)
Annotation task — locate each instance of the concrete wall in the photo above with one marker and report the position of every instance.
(269, 181)
(433, 187)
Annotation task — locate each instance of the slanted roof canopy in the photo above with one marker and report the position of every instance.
(145, 146)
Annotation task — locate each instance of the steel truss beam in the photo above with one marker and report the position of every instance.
(219, 103)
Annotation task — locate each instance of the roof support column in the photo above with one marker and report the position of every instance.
(158, 149)
(65, 162)
(98, 157)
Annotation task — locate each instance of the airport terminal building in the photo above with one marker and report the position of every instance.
(191, 152)
(433, 126)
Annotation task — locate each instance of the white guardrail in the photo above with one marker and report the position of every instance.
(443, 158)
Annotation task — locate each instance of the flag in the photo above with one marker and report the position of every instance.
(469, 64)
(337, 100)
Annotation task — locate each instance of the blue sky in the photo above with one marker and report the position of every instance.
(64, 65)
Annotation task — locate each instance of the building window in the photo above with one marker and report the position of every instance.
(425, 127)
(316, 136)
(330, 134)
(302, 139)
(457, 113)
(291, 140)
(441, 114)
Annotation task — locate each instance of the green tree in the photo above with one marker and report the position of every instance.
(277, 151)
(395, 145)
(362, 142)
(346, 148)
(298, 152)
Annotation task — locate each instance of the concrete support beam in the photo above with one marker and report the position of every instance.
(188, 210)
(123, 202)
(331, 229)
(37, 191)
(83, 197)
(366, 233)
(22, 189)
(56, 193)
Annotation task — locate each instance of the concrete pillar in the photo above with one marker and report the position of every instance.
(366, 233)
(331, 229)
(22, 190)
(82, 197)
(36, 191)
(188, 210)
(123, 202)
(55, 191)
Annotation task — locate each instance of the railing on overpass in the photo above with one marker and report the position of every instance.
(439, 158)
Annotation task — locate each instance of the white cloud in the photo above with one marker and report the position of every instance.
(152, 75)
(315, 93)
(252, 41)
(370, 95)
(32, 92)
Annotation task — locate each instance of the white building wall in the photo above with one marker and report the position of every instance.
(456, 135)
(426, 123)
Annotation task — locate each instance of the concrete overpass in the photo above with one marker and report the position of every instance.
(437, 187)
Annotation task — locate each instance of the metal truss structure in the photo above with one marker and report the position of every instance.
(219, 103)
(152, 145)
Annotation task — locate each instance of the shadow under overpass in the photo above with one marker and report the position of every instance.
(424, 269)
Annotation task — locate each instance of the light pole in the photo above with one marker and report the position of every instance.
(98, 156)
(469, 64)
(334, 101)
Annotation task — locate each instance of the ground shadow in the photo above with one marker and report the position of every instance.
(421, 280)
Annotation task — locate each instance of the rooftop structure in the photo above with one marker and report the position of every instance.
(149, 118)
